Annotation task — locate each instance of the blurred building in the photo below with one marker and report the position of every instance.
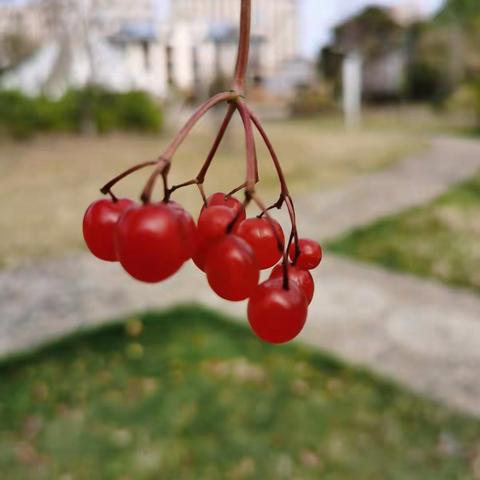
(22, 28)
(124, 45)
(213, 30)
(111, 16)
(25, 18)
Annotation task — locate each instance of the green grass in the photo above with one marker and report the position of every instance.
(440, 239)
(189, 395)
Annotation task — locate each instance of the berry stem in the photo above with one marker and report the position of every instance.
(273, 154)
(285, 196)
(237, 189)
(163, 166)
(164, 161)
(192, 121)
(107, 188)
(252, 170)
(218, 140)
(200, 178)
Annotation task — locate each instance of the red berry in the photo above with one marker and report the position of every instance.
(213, 222)
(263, 236)
(188, 227)
(212, 225)
(277, 315)
(200, 255)
(232, 269)
(149, 242)
(220, 199)
(302, 278)
(310, 254)
(99, 226)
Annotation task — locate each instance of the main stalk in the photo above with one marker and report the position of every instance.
(243, 46)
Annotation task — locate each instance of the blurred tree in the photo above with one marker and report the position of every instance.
(465, 12)
(329, 65)
(373, 32)
(462, 20)
(380, 41)
(428, 63)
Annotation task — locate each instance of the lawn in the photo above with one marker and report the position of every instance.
(440, 239)
(47, 183)
(190, 395)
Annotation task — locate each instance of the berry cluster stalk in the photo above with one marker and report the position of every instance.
(235, 99)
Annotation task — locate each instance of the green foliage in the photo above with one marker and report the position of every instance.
(188, 395)
(463, 11)
(437, 240)
(429, 76)
(91, 108)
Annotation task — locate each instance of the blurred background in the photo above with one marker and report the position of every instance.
(374, 108)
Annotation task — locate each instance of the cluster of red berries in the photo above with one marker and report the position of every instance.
(152, 241)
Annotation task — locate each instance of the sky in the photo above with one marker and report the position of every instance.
(317, 17)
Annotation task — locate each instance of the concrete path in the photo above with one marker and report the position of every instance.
(412, 182)
(423, 334)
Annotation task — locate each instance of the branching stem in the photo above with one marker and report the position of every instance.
(235, 99)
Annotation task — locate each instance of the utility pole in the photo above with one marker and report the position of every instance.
(352, 89)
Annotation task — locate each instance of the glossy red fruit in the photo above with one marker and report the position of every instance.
(99, 226)
(212, 225)
(213, 222)
(263, 236)
(277, 315)
(200, 256)
(220, 199)
(188, 227)
(149, 242)
(310, 254)
(302, 278)
(232, 269)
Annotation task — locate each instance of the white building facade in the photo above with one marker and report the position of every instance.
(124, 45)
(274, 30)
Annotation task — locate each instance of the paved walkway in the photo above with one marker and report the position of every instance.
(423, 334)
(411, 182)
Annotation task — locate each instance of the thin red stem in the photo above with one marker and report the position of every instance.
(107, 188)
(200, 178)
(284, 194)
(252, 170)
(192, 121)
(218, 140)
(243, 46)
(163, 166)
(163, 163)
(273, 154)
(237, 189)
